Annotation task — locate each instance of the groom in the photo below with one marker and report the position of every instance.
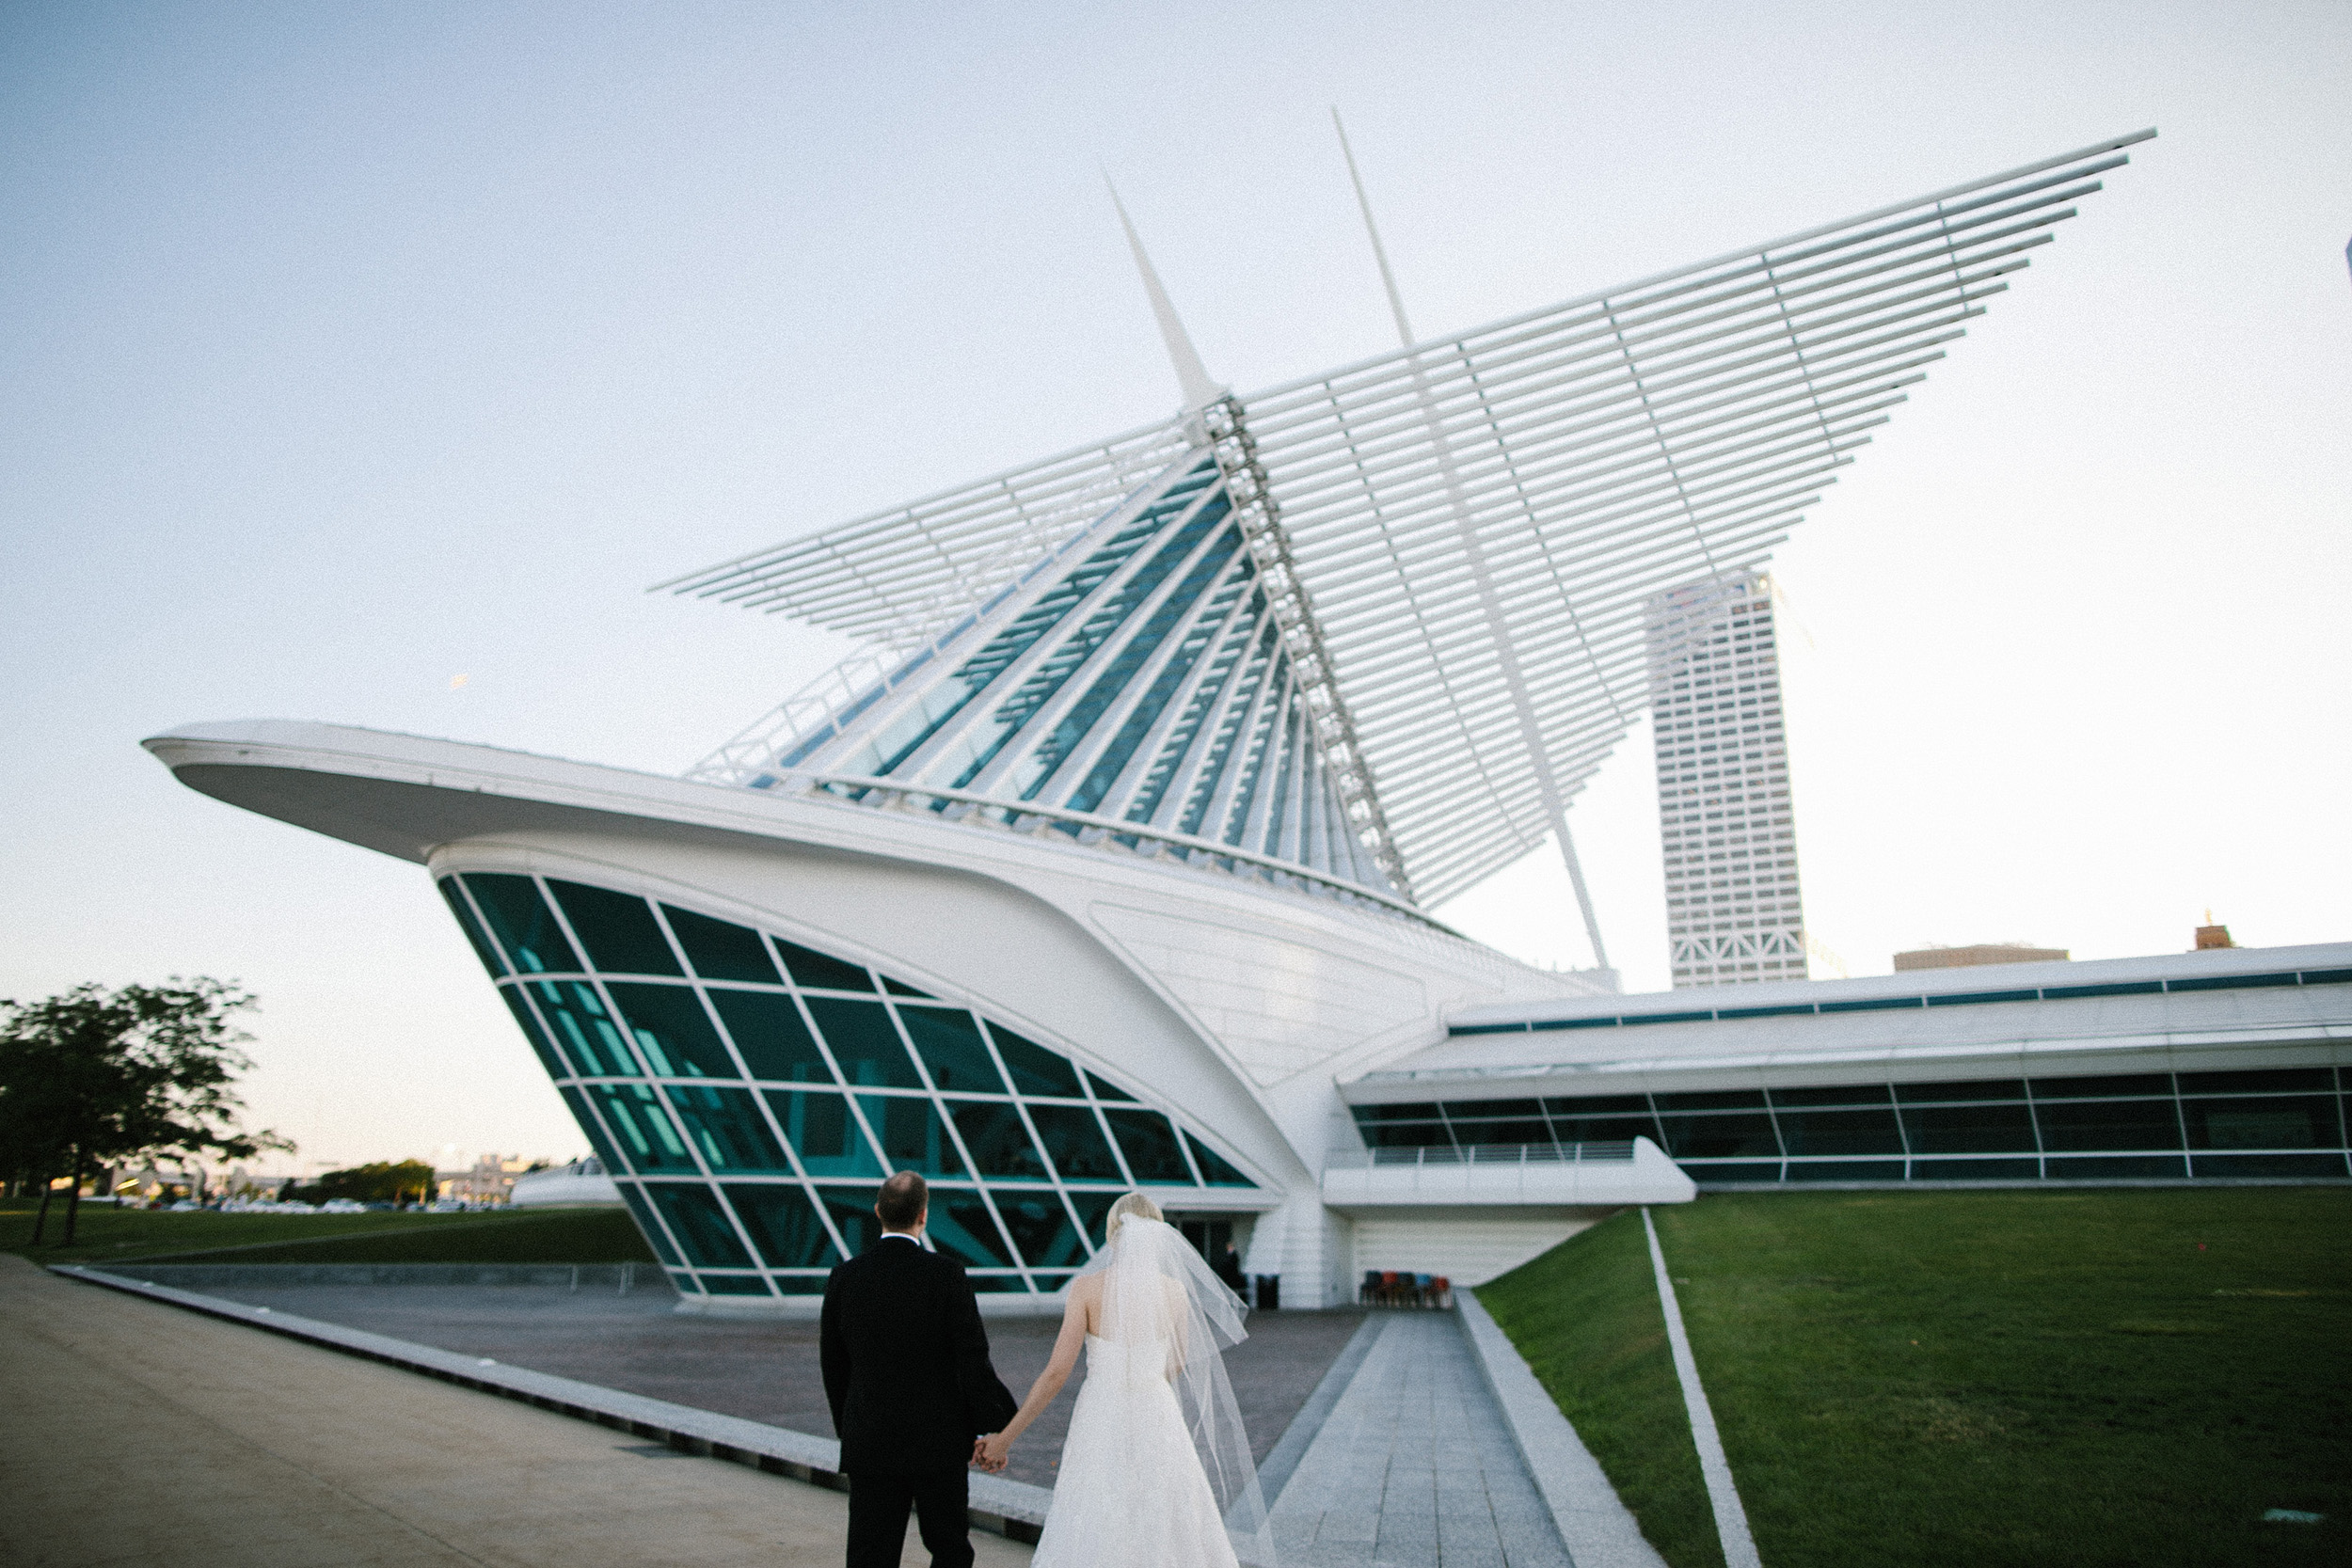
(908, 1377)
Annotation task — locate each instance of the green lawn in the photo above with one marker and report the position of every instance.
(1985, 1378)
(107, 1235)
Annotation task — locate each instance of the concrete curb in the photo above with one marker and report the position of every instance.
(1008, 1508)
(1281, 1462)
(1594, 1522)
(608, 1278)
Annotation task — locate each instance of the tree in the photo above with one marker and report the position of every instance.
(380, 1181)
(94, 1077)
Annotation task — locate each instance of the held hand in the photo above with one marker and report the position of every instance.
(994, 1451)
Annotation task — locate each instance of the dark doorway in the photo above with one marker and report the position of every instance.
(1209, 1238)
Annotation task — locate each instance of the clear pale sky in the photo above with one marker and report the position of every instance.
(351, 349)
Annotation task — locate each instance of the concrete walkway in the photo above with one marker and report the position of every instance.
(1415, 1465)
(139, 1434)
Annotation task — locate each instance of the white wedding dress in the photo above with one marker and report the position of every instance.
(1156, 1471)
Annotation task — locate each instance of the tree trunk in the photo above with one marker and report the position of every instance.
(73, 1198)
(41, 1219)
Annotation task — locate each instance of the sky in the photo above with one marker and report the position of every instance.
(364, 363)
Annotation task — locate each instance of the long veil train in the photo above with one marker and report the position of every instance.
(1166, 1322)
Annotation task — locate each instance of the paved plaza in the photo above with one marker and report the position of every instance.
(766, 1370)
(144, 1433)
(138, 1434)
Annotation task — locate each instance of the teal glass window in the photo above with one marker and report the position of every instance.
(2090, 1125)
(1075, 1141)
(590, 1036)
(950, 1045)
(767, 1029)
(1719, 1137)
(699, 1226)
(913, 1135)
(1034, 1069)
(648, 1139)
(578, 1104)
(673, 1032)
(735, 1285)
(2271, 1121)
(1215, 1169)
(816, 971)
(726, 1125)
(999, 1143)
(852, 1209)
(618, 929)
(472, 927)
(532, 1032)
(961, 1227)
(1042, 1229)
(656, 1237)
(1869, 1132)
(899, 988)
(1149, 1144)
(1991, 1128)
(522, 921)
(1105, 1091)
(1093, 1211)
(720, 951)
(783, 1224)
(799, 1284)
(866, 1043)
(822, 1132)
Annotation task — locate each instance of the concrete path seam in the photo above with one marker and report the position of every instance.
(1731, 1519)
(1599, 1531)
(1010, 1508)
(1282, 1460)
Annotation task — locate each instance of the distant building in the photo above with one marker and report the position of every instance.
(1982, 953)
(2209, 935)
(1733, 909)
(490, 1181)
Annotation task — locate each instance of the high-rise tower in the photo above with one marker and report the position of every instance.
(1733, 909)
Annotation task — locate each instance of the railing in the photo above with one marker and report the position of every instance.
(967, 806)
(1610, 1152)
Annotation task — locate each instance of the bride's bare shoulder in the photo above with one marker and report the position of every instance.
(1087, 1289)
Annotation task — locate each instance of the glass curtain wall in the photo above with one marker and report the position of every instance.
(749, 1094)
(2278, 1123)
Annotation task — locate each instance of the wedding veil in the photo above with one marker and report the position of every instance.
(1157, 1292)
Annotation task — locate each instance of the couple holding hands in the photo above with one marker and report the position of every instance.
(1156, 1471)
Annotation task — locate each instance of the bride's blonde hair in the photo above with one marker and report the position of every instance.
(1135, 1204)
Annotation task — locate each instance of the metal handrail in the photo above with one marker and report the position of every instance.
(1600, 1152)
(1027, 816)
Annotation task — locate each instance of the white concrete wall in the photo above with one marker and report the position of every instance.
(1469, 1246)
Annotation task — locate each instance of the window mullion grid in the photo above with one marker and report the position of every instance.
(1088, 749)
(1220, 610)
(1249, 629)
(1038, 727)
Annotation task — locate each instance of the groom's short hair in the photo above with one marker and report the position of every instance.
(902, 1200)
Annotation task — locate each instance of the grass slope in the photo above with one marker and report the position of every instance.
(2090, 1378)
(105, 1235)
(1586, 1316)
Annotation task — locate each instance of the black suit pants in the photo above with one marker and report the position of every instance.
(879, 1501)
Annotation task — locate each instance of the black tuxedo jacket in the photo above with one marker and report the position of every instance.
(906, 1362)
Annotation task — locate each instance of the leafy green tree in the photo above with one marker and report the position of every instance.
(381, 1181)
(94, 1077)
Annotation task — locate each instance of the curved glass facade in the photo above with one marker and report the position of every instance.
(749, 1094)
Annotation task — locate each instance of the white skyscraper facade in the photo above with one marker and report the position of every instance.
(1735, 912)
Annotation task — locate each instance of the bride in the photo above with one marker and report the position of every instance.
(1156, 1471)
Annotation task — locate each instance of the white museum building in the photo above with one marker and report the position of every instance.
(1108, 861)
